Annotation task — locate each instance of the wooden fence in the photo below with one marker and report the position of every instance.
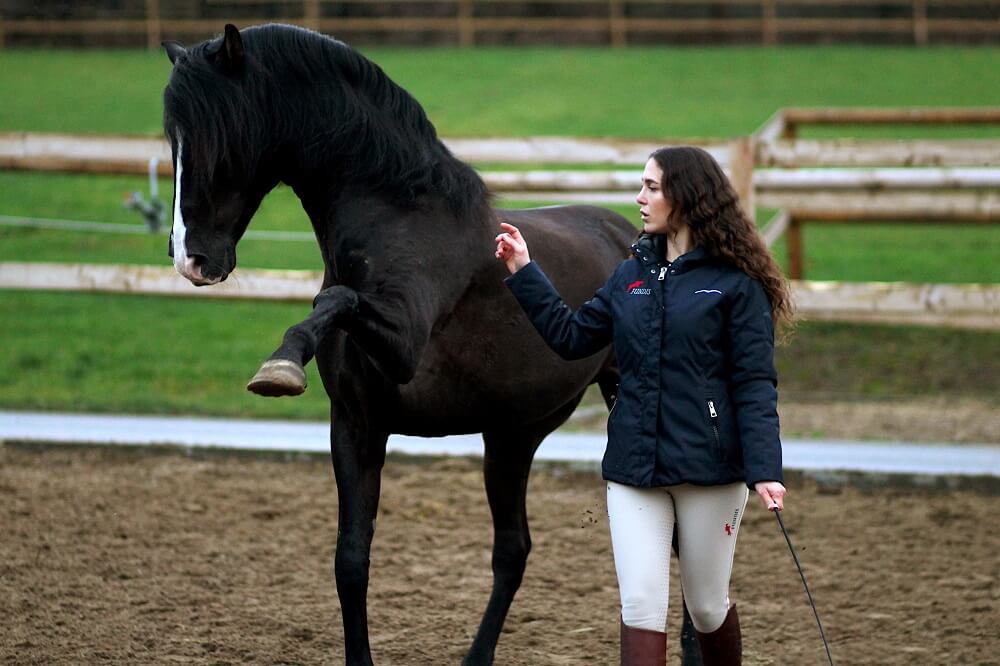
(616, 22)
(941, 181)
(960, 306)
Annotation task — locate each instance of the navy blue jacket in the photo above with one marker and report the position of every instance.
(694, 340)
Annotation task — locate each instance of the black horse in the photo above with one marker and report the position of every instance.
(413, 331)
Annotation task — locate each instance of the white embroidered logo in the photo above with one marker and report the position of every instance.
(708, 291)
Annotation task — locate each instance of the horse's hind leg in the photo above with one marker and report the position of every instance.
(506, 465)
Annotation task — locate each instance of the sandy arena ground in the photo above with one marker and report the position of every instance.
(138, 557)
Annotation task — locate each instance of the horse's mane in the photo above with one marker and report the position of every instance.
(352, 124)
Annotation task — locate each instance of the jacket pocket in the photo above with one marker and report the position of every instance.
(713, 421)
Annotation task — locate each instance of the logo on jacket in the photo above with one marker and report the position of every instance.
(636, 289)
(708, 291)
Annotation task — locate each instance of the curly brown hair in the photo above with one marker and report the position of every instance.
(704, 199)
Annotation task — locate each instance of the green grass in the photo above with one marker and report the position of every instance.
(639, 92)
(83, 352)
(131, 354)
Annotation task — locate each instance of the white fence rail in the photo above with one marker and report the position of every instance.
(959, 306)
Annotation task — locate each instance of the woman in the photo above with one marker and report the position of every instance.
(695, 422)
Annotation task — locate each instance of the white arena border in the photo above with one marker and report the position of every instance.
(572, 447)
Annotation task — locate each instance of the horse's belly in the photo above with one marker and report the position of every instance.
(485, 387)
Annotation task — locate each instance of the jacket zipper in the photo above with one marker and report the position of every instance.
(714, 417)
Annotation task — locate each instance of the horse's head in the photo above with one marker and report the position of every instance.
(219, 141)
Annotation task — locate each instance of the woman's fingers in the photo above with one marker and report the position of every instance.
(772, 495)
(510, 238)
(511, 247)
(514, 244)
(511, 229)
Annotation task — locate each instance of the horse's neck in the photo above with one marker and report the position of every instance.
(349, 222)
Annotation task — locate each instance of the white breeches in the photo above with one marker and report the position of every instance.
(642, 525)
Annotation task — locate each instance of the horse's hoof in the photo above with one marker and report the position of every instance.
(277, 378)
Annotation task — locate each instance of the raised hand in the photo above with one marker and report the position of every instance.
(512, 248)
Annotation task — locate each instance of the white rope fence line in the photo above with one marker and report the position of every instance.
(134, 229)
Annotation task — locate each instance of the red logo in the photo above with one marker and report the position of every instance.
(729, 529)
(637, 283)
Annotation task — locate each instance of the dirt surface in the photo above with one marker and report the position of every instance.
(132, 556)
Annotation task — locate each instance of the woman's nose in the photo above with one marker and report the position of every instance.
(639, 199)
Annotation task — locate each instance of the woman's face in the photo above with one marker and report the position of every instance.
(654, 208)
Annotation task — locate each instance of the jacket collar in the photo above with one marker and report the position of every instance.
(650, 250)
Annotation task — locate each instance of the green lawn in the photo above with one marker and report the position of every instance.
(638, 92)
(103, 353)
(119, 353)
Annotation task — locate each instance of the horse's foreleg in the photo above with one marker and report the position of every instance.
(358, 458)
(284, 372)
(391, 335)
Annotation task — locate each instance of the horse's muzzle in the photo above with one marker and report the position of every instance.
(192, 270)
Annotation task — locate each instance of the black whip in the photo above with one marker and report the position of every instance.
(777, 512)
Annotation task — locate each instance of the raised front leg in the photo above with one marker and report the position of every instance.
(358, 458)
(390, 331)
(284, 372)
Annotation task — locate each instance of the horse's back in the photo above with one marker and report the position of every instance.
(578, 247)
(590, 230)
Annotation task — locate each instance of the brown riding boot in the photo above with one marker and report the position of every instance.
(643, 647)
(724, 646)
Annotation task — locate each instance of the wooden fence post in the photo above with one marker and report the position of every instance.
(466, 24)
(920, 22)
(741, 170)
(617, 32)
(794, 236)
(769, 22)
(310, 12)
(154, 35)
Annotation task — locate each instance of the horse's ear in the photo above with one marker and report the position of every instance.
(231, 52)
(174, 51)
